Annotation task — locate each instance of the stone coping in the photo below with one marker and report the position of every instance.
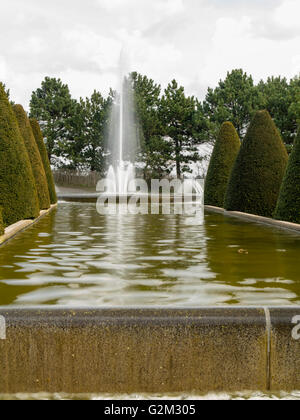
(93, 197)
(256, 219)
(12, 230)
(149, 350)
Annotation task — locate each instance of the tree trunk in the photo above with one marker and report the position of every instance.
(178, 166)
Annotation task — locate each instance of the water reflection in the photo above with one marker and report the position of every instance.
(77, 257)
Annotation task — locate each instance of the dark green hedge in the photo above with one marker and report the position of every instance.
(1, 224)
(18, 194)
(34, 156)
(259, 169)
(223, 158)
(288, 206)
(44, 155)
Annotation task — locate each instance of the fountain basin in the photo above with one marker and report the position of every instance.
(93, 198)
(151, 350)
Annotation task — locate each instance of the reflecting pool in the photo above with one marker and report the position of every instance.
(76, 257)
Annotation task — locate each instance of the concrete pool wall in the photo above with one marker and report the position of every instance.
(16, 228)
(256, 219)
(150, 350)
(154, 350)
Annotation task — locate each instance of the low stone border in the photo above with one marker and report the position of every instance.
(153, 350)
(12, 230)
(257, 219)
(85, 198)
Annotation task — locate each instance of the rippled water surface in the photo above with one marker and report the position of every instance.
(76, 257)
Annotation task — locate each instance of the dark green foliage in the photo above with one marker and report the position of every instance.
(235, 99)
(53, 107)
(155, 150)
(34, 156)
(86, 148)
(1, 223)
(280, 99)
(18, 194)
(294, 109)
(223, 158)
(288, 206)
(259, 169)
(182, 125)
(170, 128)
(44, 155)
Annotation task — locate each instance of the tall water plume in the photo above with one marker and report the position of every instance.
(123, 140)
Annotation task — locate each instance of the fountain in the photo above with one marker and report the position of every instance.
(121, 186)
(121, 172)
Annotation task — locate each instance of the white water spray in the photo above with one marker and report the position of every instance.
(121, 173)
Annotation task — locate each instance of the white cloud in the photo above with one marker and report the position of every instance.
(90, 47)
(296, 64)
(163, 6)
(235, 46)
(171, 6)
(3, 69)
(194, 41)
(288, 15)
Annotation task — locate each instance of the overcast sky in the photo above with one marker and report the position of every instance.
(194, 41)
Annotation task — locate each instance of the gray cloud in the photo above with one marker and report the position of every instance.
(194, 41)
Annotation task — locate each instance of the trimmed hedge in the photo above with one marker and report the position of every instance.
(44, 155)
(18, 194)
(1, 224)
(34, 156)
(223, 158)
(258, 172)
(288, 206)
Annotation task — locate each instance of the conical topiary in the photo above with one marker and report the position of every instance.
(45, 159)
(1, 223)
(224, 155)
(34, 156)
(288, 206)
(18, 194)
(258, 172)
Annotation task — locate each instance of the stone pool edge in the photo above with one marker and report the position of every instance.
(150, 350)
(257, 219)
(13, 230)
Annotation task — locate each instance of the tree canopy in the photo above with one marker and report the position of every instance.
(282, 99)
(181, 125)
(52, 106)
(170, 124)
(235, 99)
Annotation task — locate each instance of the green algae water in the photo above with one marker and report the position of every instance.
(76, 257)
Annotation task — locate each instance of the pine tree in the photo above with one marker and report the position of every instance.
(288, 206)
(258, 172)
(34, 156)
(182, 125)
(44, 155)
(223, 158)
(235, 99)
(18, 194)
(53, 106)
